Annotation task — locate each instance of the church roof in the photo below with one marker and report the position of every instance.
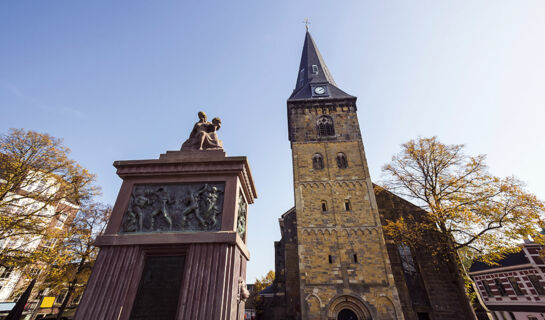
(313, 72)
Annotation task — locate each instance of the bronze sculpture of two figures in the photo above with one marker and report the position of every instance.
(204, 136)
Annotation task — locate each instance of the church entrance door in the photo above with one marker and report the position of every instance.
(347, 314)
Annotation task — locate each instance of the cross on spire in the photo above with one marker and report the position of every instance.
(306, 22)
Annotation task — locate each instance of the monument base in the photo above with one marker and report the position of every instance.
(174, 247)
(208, 283)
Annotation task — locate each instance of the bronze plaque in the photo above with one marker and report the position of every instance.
(159, 290)
(174, 208)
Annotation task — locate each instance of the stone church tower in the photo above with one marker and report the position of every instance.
(333, 261)
(343, 264)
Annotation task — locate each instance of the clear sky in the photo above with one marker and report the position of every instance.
(124, 80)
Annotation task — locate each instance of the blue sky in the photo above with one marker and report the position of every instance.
(125, 79)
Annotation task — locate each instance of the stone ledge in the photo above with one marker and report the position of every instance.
(171, 238)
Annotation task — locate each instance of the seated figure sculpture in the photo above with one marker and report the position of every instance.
(204, 136)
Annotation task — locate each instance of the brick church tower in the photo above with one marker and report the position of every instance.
(344, 269)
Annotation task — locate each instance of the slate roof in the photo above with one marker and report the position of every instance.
(267, 290)
(513, 259)
(307, 76)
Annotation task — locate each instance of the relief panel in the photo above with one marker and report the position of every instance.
(174, 208)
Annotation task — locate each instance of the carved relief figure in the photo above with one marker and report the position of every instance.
(192, 206)
(208, 195)
(174, 207)
(204, 135)
(241, 217)
(162, 196)
(135, 216)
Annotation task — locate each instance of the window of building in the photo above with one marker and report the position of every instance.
(330, 258)
(40, 186)
(325, 126)
(355, 258)
(413, 278)
(77, 299)
(347, 205)
(317, 161)
(61, 296)
(314, 69)
(6, 273)
(61, 219)
(324, 206)
(34, 208)
(34, 272)
(487, 288)
(535, 282)
(50, 243)
(515, 285)
(407, 262)
(423, 316)
(500, 287)
(342, 163)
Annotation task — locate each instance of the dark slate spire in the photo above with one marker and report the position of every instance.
(313, 73)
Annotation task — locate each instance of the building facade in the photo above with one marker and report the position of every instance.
(333, 261)
(515, 288)
(54, 216)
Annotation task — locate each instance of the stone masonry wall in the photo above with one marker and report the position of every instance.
(441, 290)
(342, 255)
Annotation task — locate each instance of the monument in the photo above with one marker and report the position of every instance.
(175, 245)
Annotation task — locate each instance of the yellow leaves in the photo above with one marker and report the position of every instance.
(468, 205)
(38, 183)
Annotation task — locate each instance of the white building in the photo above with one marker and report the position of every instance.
(49, 216)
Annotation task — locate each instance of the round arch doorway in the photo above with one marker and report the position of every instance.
(347, 314)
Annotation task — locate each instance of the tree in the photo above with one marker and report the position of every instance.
(76, 253)
(467, 209)
(38, 184)
(260, 285)
(264, 282)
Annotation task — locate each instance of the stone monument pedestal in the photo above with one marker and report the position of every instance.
(175, 245)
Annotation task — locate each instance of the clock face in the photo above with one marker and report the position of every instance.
(319, 90)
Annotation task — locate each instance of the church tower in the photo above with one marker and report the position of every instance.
(344, 268)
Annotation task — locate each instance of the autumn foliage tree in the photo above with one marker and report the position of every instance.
(38, 184)
(76, 253)
(259, 285)
(466, 208)
(470, 208)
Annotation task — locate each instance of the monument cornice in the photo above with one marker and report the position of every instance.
(181, 163)
(173, 238)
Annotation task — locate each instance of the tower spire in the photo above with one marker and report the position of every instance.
(313, 73)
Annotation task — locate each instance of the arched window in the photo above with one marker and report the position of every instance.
(347, 205)
(325, 126)
(341, 161)
(324, 206)
(317, 161)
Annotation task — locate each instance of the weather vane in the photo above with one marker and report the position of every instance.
(306, 22)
